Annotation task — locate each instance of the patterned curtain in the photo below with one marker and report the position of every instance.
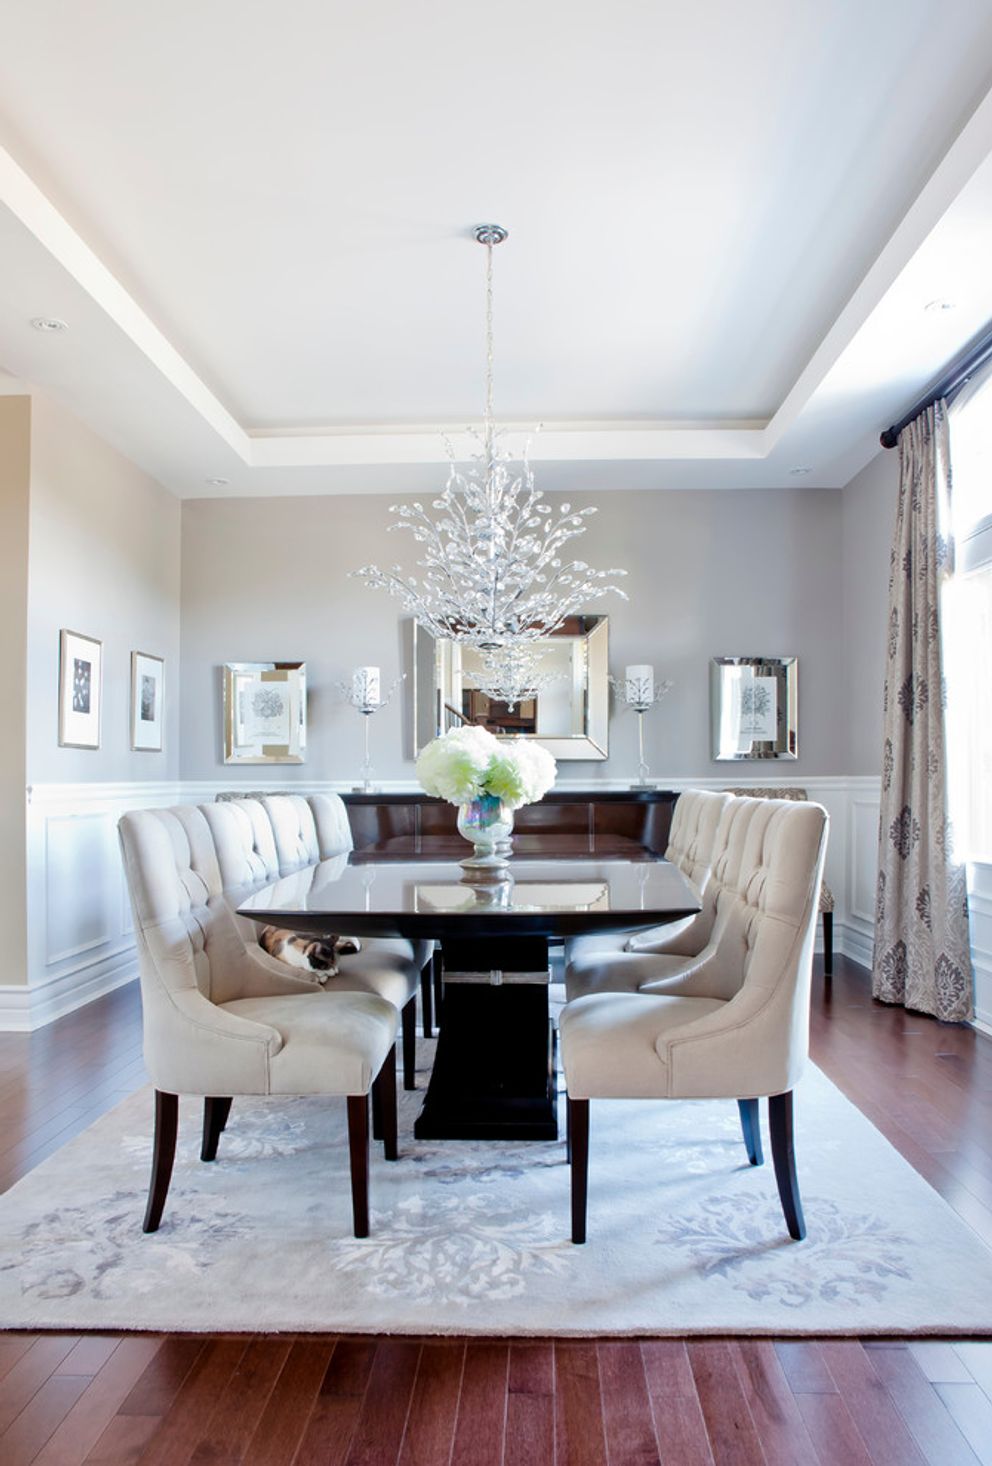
(922, 949)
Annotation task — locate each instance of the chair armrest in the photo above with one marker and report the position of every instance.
(194, 1047)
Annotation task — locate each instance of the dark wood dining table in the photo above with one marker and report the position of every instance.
(493, 1073)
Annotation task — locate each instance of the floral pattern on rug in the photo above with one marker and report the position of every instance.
(256, 1132)
(847, 1256)
(458, 1250)
(76, 1251)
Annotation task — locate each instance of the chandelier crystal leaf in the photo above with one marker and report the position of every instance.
(493, 571)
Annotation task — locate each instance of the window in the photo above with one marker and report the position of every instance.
(967, 615)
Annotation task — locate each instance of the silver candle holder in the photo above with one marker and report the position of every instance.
(637, 691)
(364, 694)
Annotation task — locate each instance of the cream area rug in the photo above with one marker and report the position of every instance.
(684, 1236)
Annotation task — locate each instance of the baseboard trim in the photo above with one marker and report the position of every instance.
(26, 1008)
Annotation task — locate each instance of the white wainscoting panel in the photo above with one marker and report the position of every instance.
(82, 888)
(80, 938)
(980, 907)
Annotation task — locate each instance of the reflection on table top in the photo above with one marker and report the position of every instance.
(557, 897)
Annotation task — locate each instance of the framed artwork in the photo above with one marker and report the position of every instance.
(147, 701)
(80, 685)
(754, 707)
(265, 712)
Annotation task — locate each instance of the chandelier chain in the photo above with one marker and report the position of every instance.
(489, 349)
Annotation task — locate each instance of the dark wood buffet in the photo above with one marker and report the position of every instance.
(606, 822)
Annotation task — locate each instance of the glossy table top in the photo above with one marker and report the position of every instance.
(363, 895)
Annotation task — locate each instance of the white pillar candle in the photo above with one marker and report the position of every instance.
(365, 687)
(640, 683)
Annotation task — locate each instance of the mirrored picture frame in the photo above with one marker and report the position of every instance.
(754, 708)
(265, 712)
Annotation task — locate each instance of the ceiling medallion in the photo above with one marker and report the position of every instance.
(493, 573)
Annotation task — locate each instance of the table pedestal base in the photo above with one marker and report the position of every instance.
(493, 1075)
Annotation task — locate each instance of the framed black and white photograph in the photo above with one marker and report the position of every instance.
(147, 701)
(80, 684)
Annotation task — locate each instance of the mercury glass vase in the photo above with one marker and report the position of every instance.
(487, 823)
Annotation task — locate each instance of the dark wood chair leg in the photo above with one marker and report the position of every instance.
(358, 1145)
(828, 943)
(163, 1155)
(578, 1127)
(377, 1107)
(784, 1157)
(427, 1000)
(384, 1103)
(751, 1126)
(215, 1113)
(409, 1022)
(568, 1131)
(438, 967)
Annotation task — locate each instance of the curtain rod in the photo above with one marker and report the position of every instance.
(961, 370)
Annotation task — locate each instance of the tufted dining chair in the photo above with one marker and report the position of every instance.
(260, 839)
(692, 846)
(666, 952)
(826, 899)
(734, 1024)
(223, 1019)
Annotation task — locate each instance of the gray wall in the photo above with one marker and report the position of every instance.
(15, 458)
(868, 522)
(104, 561)
(711, 573)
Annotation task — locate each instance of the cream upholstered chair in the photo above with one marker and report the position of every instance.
(826, 901)
(260, 839)
(692, 845)
(222, 1018)
(667, 952)
(734, 1025)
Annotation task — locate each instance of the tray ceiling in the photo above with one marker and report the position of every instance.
(725, 225)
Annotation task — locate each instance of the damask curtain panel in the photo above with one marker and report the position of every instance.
(922, 948)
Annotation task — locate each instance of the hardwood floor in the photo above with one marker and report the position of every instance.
(215, 1400)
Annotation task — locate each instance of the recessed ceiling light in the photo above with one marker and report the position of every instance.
(48, 323)
(797, 472)
(217, 483)
(940, 305)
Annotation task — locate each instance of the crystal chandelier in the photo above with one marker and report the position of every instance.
(511, 674)
(493, 574)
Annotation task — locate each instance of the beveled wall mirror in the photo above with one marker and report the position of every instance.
(754, 707)
(569, 716)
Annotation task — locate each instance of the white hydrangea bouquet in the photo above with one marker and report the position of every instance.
(488, 778)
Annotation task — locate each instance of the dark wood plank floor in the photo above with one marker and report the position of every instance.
(217, 1400)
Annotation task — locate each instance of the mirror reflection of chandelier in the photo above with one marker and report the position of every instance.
(493, 572)
(512, 674)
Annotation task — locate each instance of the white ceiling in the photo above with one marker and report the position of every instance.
(725, 221)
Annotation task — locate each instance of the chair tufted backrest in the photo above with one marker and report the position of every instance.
(244, 841)
(332, 824)
(692, 837)
(726, 856)
(760, 956)
(789, 791)
(294, 830)
(189, 947)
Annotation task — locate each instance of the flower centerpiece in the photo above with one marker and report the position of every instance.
(488, 778)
